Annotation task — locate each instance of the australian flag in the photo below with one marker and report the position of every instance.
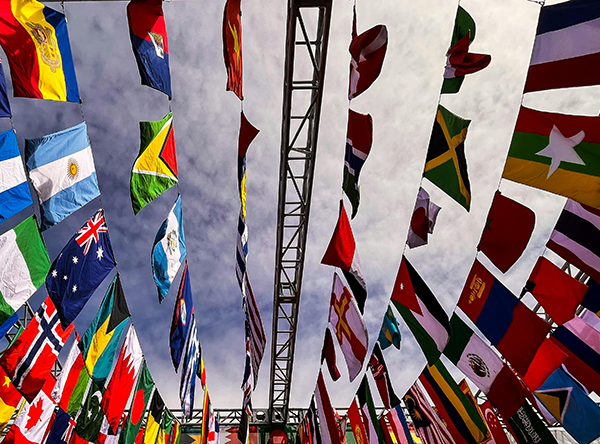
(80, 268)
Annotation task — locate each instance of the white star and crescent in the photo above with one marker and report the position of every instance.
(561, 149)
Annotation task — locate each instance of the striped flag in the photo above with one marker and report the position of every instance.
(14, 189)
(427, 424)
(187, 387)
(327, 417)
(399, 426)
(358, 145)
(256, 331)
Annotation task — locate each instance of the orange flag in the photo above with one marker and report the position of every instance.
(232, 46)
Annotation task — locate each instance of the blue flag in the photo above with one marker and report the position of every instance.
(390, 332)
(570, 404)
(4, 105)
(62, 428)
(182, 314)
(80, 267)
(187, 388)
(14, 189)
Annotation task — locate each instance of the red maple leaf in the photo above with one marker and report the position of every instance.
(34, 414)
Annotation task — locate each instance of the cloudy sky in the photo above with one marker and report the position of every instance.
(403, 104)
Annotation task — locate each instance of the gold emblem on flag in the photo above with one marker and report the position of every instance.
(73, 169)
(477, 288)
(48, 46)
(478, 365)
(358, 435)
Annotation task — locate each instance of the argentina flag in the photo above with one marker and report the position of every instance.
(169, 250)
(62, 171)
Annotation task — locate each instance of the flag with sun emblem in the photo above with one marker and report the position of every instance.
(61, 169)
(169, 250)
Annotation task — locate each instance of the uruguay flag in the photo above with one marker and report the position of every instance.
(169, 250)
(14, 190)
(61, 168)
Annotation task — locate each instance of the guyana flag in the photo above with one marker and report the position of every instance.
(141, 396)
(557, 153)
(446, 164)
(157, 406)
(155, 169)
(102, 336)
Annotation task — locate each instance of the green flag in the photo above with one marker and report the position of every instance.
(143, 390)
(529, 428)
(463, 24)
(365, 401)
(78, 393)
(91, 415)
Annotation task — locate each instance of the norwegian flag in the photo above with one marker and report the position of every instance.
(90, 232)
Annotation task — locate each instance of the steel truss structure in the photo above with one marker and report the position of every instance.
(305, 57)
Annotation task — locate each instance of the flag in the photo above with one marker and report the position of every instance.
(359, 139)
(356, 423)
(247, 388)
(69, 376)
(29, 360)
(507, 232)
(570, 404)
(61, 169)
(529, 428)
(80, 268)
(426, 422)
(327, 420)
(341, 252)
(4, 104)
(257, 335)
(390, 331)
(591, 300)
(169, 250)
(187, 387)
(556, 153)
(182, 315)
(166, 424)
(247, 134)
(566, 49)
(75, 400)
(368, 52)
(328, 355)
(24, 264)
(232, 46)
(123, 377)
(149, 42)
(422, 221)
(382, 379)
(446, 163)
(89, 420)
(514, 329)
(477, 361)
(459, 61)
(176, 434)
(61, 429)
(206, 407)
(155, 169)
(348, 327)
(387, 430)
(9, 399)
(9, 323)
(572, 237)
(36, 42)
(421, 311)
(365, 402)
(399, 426)
(14, 189)
(142, 392)
(493, 423)
(461, 417)
(155, 412)
(104, 333)
(556, 291)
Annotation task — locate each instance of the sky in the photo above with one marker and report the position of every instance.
(402, 102)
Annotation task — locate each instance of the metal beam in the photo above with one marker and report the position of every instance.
(306, 51)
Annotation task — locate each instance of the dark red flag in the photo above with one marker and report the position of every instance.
(232, 46)
(493, 423)
(328, 355)
(367, 51)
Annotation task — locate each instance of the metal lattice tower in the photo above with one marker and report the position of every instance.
(305, 56)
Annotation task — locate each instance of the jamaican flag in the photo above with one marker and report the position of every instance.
(446, 164)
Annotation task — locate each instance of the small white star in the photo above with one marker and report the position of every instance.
(100, 253)
(401, 286)
(74, 288)
(65, 278)
(54, 273)
(75, 259)
(561, 149)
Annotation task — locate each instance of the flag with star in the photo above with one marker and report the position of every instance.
(446, 164)
(232, 46)
(558, 153)
(80, 268)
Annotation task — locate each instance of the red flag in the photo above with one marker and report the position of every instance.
(328, 355)
(423, 220)
(9, 399)
(386, 430)
(462, 62)
(556, 291)
(547, 359)
(232, 46)
(493, 423)
(507, 231)
(247, 134)
(367, 51)
(67, 380)
(329, 428)
(356, 422)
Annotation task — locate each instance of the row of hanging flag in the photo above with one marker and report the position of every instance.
(533, 373)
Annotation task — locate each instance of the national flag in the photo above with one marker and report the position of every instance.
(328, 355)
(149, 42)
(359, 139)
(24, 264)
(257, 335)
(507, 231)
(591, 319)
(61, 429)
(166, 424)
(102, 337)
(80, 268)
(382, 378)
(390, 331)
(426, 422)
(106, 435)
(493, 423)
(312, 416)
(557, 153)
(9, 399)
(187, 387)
(466, 389)
(241, 252)
(89, 420)
(10, 323)
(14, 189)
(206, 407)
(182, 315)
(367, 406)
(341, 252)
(155, 413)
(477, 361)
(422, 221)
(155, 169)
(368, 52)
(567, 46)
(4, 104)
(35, 39)
(142, 392)
(212, 437)
(399, 426)
(78, 393)
(591, 300)
(574, 238)
(176, 434)
(461, 417)
(124, 375)
(556, 291)
(387, 430)
(528, 427)
(421, 311)
(582, 343)
(356, 423)
(232, 46)
(31, 424)
(327, 420)
(69, 376)
(348, 327)
(247, 388)
(29, 360)
(459, 60)
(247, 134)
(446, 163)
(510, 325)
(62, 171)
(169, 250)
(570, 404)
